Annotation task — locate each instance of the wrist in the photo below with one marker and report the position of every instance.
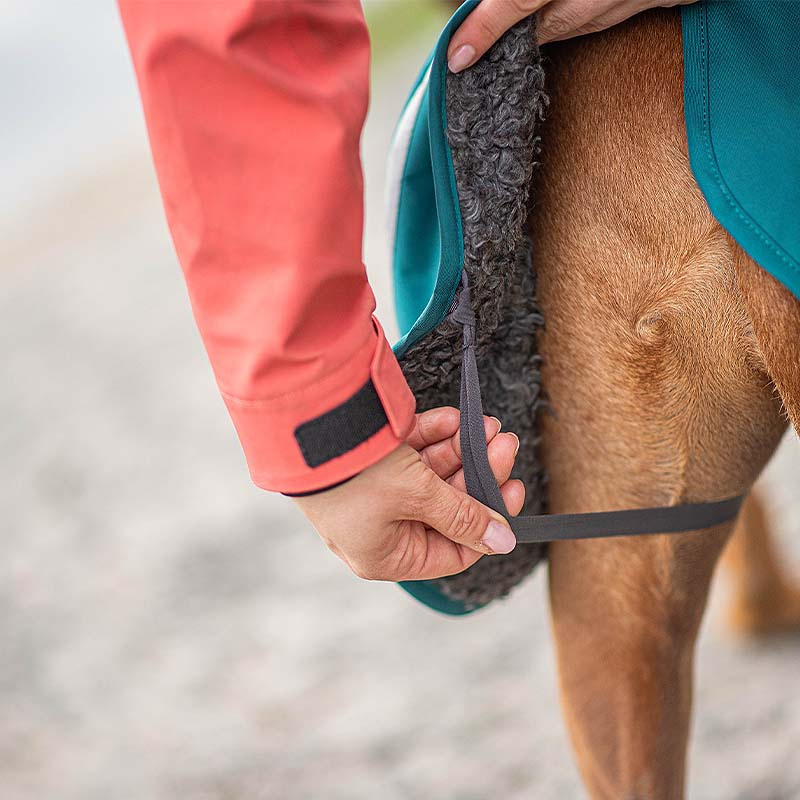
(317, 491)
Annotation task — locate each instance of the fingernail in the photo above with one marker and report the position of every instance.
(517, 438)
(499, 424)
(461, 58)
(499, 538)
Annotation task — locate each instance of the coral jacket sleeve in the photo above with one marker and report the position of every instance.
(254, 113)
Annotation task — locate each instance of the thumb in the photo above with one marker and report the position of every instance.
(483, 27)
(461, 518)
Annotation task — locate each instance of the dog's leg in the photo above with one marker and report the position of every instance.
(659, 395)
(763, 598)
(625, 618)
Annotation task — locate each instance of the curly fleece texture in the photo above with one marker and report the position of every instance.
(493, 110)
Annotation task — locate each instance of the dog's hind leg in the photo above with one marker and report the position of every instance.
(658, 392)
(763, 598)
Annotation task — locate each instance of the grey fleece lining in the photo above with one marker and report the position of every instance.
(493, 109)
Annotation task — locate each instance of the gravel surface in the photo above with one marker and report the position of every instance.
(168, 630)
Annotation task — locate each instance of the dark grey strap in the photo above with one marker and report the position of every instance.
(551, 527)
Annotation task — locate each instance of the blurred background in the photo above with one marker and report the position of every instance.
(169, 630)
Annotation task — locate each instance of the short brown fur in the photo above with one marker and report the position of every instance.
(670, 361)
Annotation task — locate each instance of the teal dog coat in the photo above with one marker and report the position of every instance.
(458, 179)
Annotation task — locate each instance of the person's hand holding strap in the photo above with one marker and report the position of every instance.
(408, 516)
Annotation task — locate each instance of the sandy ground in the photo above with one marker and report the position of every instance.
(168, 630)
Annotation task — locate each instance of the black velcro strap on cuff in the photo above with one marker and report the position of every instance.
(339, 430)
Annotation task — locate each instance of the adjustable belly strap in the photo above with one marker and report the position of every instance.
(482, 485)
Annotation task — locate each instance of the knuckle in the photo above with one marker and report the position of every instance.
(464, 518)
(559, 22)
(426, 423)
(522, 8)
(554, 25)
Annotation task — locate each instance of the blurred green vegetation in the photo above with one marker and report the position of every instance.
(392, 23)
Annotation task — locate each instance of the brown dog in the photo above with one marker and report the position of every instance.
(671, 362)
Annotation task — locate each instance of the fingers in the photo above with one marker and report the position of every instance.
(433, 426)
(502, 451)
(460, 517)
(430, 555)
(483, 27)
(513, 496)
(399, 520)
(564, 19)
(558, 19)
(438, 425)
(444, 457)
(561, 17)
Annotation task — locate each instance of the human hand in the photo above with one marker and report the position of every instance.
(558, 19)
(408, 516)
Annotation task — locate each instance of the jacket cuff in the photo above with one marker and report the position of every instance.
(312, 438)
(318, 491)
